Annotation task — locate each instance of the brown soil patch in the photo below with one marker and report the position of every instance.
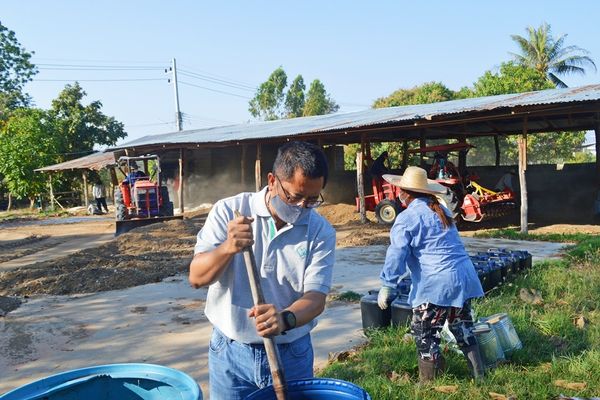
(152, 253)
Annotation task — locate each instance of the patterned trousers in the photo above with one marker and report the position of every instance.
(428, 321)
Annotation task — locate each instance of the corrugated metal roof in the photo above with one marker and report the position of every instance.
(95, 161)
(370, 117)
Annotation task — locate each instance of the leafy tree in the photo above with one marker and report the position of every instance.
(267, 102)
(548, 147)
(318, 102)
(272, 102)
(80, 126)
(16, 70)
(431, 92)
(27, 141)
(294, 99)
(542, 52)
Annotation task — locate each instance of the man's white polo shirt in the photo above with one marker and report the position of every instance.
(292, 261)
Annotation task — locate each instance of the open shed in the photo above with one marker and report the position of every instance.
(241, 148)
(94, 162)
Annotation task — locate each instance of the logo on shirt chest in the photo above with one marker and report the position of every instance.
(301, 251)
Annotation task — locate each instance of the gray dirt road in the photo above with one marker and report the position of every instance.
(164, 323)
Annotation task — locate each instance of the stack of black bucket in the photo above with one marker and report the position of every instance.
(494, 268)
(498, 266)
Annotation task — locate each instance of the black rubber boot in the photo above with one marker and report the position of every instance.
(474, 361)
(430, 369)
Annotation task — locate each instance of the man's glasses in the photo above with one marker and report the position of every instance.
(299, 200)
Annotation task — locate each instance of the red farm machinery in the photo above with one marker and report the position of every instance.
(141, 198)
(465, 198)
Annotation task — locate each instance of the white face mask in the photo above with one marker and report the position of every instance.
(286, 212)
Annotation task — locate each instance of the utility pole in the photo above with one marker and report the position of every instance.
(177, 112)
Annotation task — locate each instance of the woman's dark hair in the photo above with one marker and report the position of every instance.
(306, 156)
(435, 206)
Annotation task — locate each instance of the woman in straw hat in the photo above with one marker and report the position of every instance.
(424, 239)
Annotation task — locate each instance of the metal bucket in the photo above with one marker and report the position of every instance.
(505, 330)
(372, 315)
(114, 381)
(315, 389)
(490, 349)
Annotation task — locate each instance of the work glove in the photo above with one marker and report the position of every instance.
(386, 296)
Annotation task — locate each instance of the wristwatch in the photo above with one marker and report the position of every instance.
(289, 320)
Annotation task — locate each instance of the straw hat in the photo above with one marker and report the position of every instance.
(415, 180)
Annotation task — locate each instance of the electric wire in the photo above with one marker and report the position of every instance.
(214, 90)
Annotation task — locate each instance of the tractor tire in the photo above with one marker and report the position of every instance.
(120, 209)
(121, 212)
(166, 210)
(387, 211)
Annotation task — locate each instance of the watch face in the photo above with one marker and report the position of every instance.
(290, 319)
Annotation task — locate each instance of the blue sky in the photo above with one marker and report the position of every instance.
(359, 50)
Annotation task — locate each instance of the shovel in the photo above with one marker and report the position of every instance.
(279, 383)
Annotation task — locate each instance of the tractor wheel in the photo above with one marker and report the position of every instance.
(167, 206)
(121, 212)
(386, 211)
(120, 209)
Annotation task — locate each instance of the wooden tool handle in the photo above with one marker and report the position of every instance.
(279, 383)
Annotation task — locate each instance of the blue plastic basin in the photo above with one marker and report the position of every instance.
(114, 381)
(315, 389)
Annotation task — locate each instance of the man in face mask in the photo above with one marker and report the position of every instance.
(294, 250)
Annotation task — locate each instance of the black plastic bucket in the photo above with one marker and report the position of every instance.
(401, 311)
(372, 315)
(315, 389)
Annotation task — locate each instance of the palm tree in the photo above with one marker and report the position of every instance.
(550, 56)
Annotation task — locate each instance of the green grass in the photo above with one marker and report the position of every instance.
(553, 346)
(349, 296)
(30, 214)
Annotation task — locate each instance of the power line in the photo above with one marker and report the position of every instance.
(218, 81)
(98, 80)
(221, 78)
(214, 90)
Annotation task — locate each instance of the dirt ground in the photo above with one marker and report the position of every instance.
(148, 254)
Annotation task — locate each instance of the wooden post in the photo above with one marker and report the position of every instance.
(497, 148)
(597, 134)
(85, 189)
(422, 143)
(360, 187)
(243, 166)
(522, 141)
(404, 155)
(462, 156)
(257, 168)
(51, 191)
(181, 175)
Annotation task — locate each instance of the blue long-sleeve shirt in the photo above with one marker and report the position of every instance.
(442, 272)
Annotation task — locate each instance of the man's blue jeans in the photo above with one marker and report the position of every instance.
(238, 369)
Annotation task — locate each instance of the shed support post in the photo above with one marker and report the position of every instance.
(181, 175)
(51, 191)
(404, 155)
(360, 187)
(522, 142)
(497, 148)
(257, 168)
(85, 189)
(422, 143)
(243, 166)
(597, 134)
(462, 156)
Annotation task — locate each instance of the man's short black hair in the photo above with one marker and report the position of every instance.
(306, 156)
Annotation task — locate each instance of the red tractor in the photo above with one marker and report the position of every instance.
(140, 198)
(465, 198)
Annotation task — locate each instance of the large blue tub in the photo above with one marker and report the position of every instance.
(114, 381)
(315, 389)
